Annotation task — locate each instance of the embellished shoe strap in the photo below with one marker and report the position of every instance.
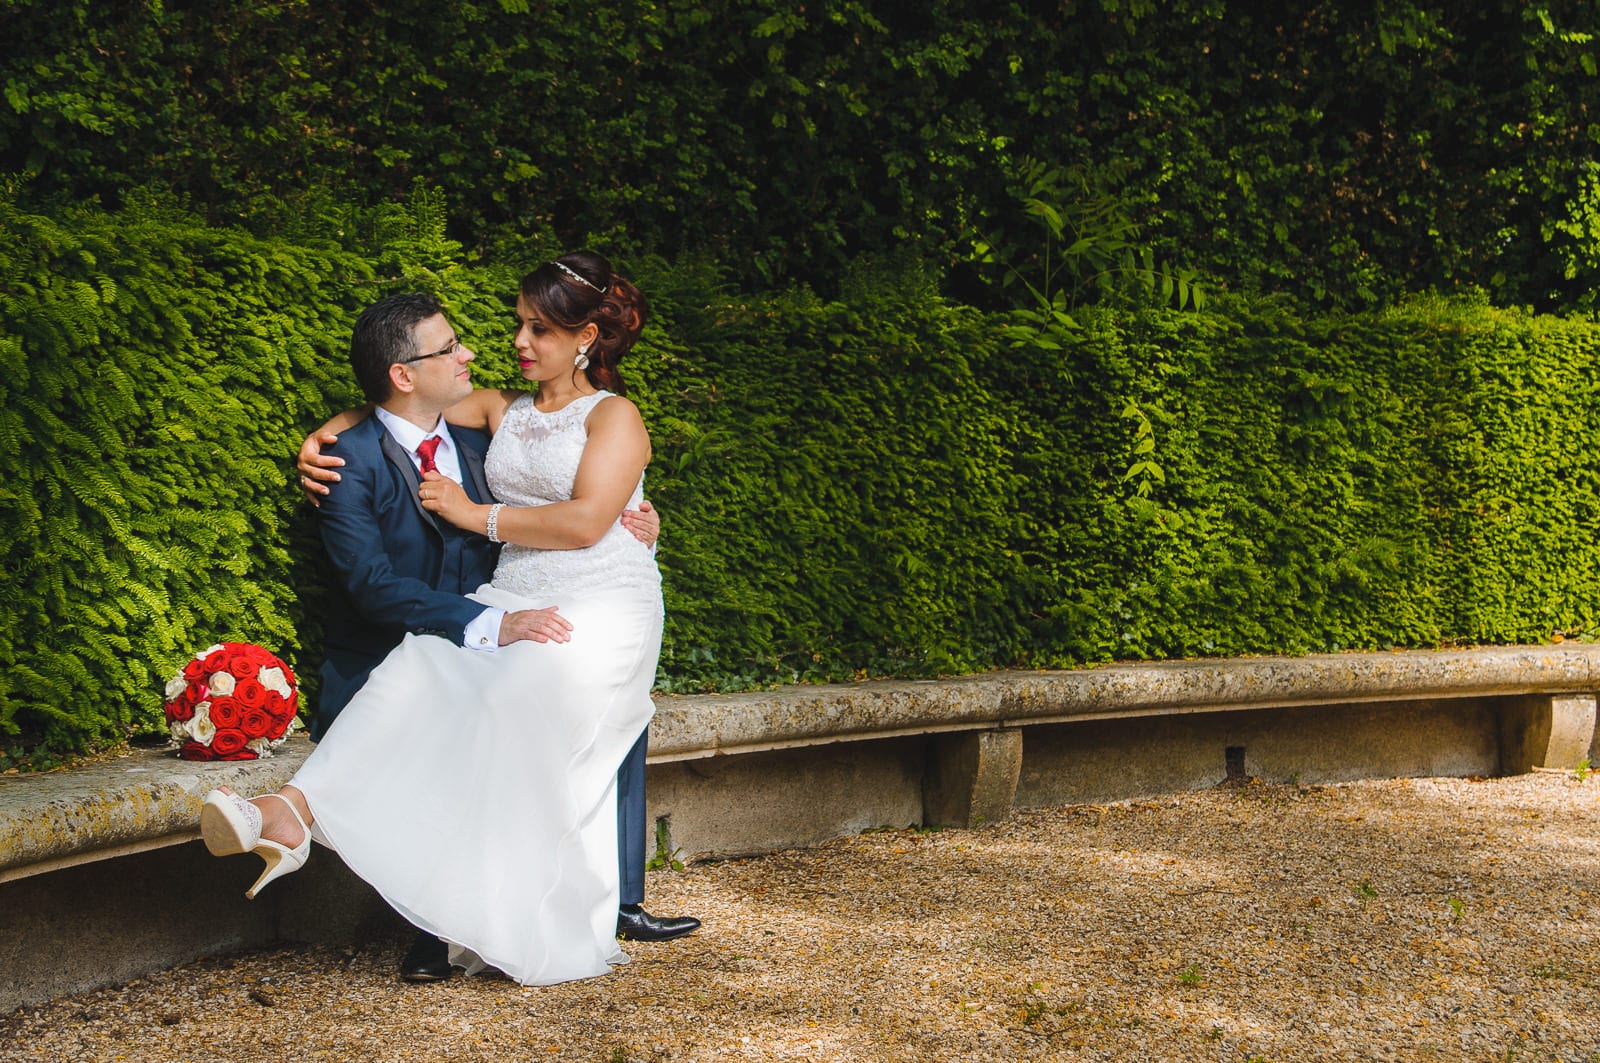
(251, 814)
(295, 812)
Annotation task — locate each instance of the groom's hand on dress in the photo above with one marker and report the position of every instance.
(316, 469)
(644, 522)
(535, 625)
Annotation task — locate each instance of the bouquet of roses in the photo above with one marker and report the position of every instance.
(234, 701)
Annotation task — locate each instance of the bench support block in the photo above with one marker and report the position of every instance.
(1546, 731)
(972, 778)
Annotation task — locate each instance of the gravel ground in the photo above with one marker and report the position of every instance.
(1419, 919)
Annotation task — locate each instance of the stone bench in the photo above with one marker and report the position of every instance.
(743, 773)
(740, 773)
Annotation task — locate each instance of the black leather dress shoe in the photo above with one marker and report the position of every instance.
(636, 924)
(428, 960)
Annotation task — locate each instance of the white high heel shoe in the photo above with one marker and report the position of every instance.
(230, 824)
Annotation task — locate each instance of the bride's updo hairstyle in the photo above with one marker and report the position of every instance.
(578, 288)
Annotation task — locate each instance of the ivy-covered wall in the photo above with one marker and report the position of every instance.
(881, 482)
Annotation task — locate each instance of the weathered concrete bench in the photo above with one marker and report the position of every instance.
(96, 856)
(748, 772)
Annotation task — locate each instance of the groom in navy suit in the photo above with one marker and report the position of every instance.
(400, 569)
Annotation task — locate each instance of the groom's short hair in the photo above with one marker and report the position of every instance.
(385, 334)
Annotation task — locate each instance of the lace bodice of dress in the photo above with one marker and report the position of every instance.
(532, 461)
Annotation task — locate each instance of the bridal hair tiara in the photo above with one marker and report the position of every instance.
(575, 275)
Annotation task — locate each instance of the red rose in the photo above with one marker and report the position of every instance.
(180, 708)
(258, 723)
(194, 669)
(225, 712)
(243, 665)
(250, 694)
(228, 744)
(196, 751)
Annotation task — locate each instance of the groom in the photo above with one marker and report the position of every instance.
(400, 569)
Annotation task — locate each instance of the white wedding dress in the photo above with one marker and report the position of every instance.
(477, 791)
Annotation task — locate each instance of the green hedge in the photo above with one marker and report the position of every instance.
(153, 374)
(156, 377)
(1345, 152)
(881, 483)
(836, 485)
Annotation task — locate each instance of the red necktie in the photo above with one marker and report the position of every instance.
(425, 451)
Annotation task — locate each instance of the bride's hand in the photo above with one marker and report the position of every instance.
(316, 469)
(442, 495)
(644, 522)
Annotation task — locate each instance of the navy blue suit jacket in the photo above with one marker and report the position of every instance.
(400, 569)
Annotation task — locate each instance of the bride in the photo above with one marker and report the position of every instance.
(476, 792)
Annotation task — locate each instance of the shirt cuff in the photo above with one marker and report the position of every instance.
(483, 634)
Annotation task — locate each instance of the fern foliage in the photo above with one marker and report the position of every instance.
(158, 375)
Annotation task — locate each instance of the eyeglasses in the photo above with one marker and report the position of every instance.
(455, 345)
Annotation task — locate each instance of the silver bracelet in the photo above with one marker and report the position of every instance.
(491, 526)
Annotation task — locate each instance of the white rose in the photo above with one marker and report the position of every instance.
(222, 682)
(201, 726)
(180, 730)
(176, 686)
(274, 680)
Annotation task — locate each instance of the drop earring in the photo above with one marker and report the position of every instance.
(582, 361)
